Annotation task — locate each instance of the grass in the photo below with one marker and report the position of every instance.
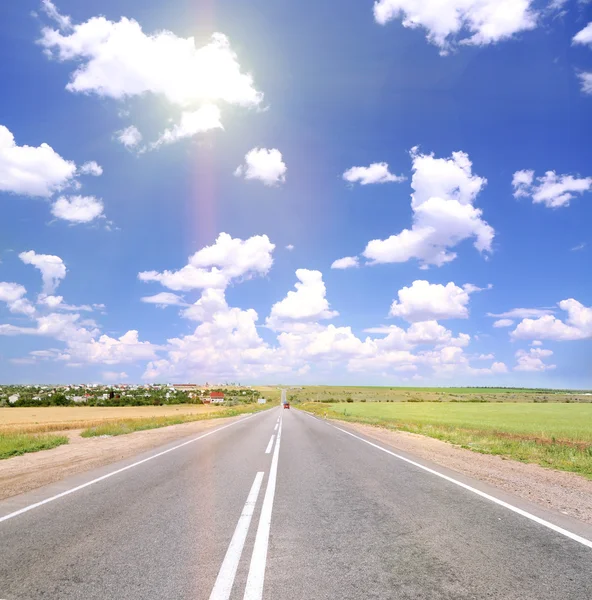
(552, 435)
(15, 444)
(123, 426)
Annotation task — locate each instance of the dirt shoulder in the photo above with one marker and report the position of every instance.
(30, 471)
(565, 492)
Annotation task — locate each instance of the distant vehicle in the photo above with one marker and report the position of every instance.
(286, 405)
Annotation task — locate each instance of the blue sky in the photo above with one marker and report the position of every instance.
(444, 150)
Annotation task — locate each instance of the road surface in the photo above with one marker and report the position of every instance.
(281, 505)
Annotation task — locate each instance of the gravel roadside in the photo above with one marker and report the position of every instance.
(30, 471)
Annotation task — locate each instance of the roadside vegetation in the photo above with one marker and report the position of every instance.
(14, 444)
(556, 435)
(123, 426)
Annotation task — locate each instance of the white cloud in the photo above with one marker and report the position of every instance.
(118, 60)
(536, 343)
(225, 345)
(32, 170)
(51, 11)
(217, 265)
(52, 268)
(443, 214)
(584, 36)
(375, 173)
(77, 209)
(203, 119)
(499, 367)
(114, 376)
(82, 345)
(522, 313)
(13, 294)
(551, 189)
(485, 357)
(305, 305)
(110, 351)
(503, 323)
(347, 262)
(532, 360)
(290, 247)
(165, 299)
(424, 301)
(577, 247)
(91, 168)
(130, 137)
(577, 326)
(263, 164)
(452, 22)
(57, 303)
(586, 81)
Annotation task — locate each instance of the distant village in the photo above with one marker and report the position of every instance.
(127, 394)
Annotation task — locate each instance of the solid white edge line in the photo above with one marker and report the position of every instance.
(493, 499)
(80, 487)
(227, 573)
(270, 445)
(256, 577)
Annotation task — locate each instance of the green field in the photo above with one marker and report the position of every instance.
(554, 435)
(431, 394)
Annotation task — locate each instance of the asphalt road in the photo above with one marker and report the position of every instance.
(318, 514)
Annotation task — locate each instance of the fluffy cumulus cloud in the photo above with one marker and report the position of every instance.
(91, 168)
(375, 173)
(119, 60)
(424, 301)
(83, 343)
(217, 265)
(13, 294)
(347, 262)
(577, 325)
(452, 22)
(584, 36)
(265, 165)
(77, 209)
(52, 268)
(32, 170)
(444, 190)
(551, 189)
(308, 303)
(205, 118)
(533, 360)
(226, 342)
(130, 137)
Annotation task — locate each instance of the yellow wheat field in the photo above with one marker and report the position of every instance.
(59, 418)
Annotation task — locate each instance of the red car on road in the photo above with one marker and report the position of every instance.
(286, 405)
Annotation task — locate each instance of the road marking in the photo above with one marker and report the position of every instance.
(254, 587)
(511, 507)
(80, 487)
(276, 426)
(225, 579)
(269, 446)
